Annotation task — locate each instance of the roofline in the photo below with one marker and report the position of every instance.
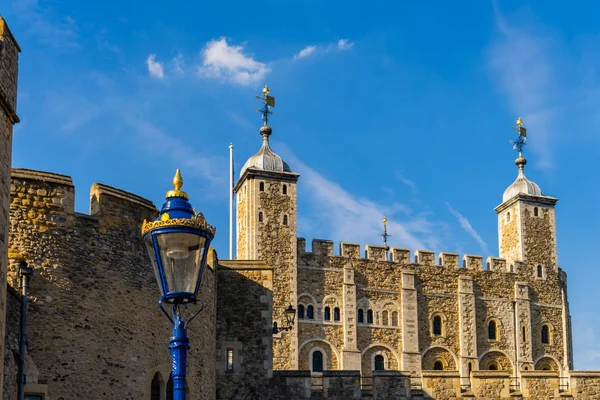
(546, 200)
(249, 173)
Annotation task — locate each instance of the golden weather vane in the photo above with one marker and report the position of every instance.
(385, 235)
(519, 142)
(268, 103)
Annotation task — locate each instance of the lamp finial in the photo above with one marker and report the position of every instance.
(177, 183)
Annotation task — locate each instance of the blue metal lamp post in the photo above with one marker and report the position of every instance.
(178, 242)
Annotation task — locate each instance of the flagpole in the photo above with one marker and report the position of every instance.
(231, 201)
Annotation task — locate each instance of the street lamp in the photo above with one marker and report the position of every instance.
(290, 316)
(178, 242)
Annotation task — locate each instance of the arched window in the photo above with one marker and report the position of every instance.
(511, 268)
(317, 361)
(492, 331)
(361, 315)
(540, 271)
(310, 312)
(437, 325)
(300, 311)
(284, 189)
(327, 315)
(260, 216)
(261, 186)
(336, 314)
(170, 388)
(285, 220)
(438, 366)
(369, 316)
(545, 334)
(384, 318)
(394, 318)
(493, 366)
(155, 387)
(535, 211)
(379, 363)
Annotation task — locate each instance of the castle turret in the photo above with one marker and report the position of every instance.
(266, 227)
(526, 218)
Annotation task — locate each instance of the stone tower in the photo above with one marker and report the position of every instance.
(266, 230)
(527, 223)
(9, 59)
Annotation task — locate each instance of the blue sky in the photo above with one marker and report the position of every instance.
(401, 109)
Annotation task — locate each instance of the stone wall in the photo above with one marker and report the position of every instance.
(93, 312)
(244, 326)
(9, 59)
(11, 344)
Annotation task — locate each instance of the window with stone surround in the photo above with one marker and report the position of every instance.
(285, 219)
(546, 334)
(535, 212)
(394, 318)
(261, 186)
(300, 311)
(379, 363)
(317, 361)
(493, 330)
(229, 360)
(437, 325)
(327, 314)
(310, 313)
(361, 316)
(438, 366)
(336, 314)
(260, 216)
(384, 318)
(284, 189)
(369, 316)
(524, 334)
(539, 272)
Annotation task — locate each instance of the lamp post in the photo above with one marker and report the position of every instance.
(290, 316)
(178, 242)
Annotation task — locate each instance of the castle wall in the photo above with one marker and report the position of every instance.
(467, 296)
(9, 58)
(94, 328)
(244, 326)
(11, 344)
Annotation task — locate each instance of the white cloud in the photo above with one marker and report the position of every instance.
(178, 63)
(305, 52)
(344, 44)
(48, 27)
(230, 64)
(155, 68)
(466, 225)
(402, 178)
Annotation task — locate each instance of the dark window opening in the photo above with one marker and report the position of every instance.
(261, 186)
(284, 189)
(369, 316)
(260, 217)
(361, 316)
(310, 312)
(535, 211)
(493, 367)
(317, 361)
(327, 316)
(524, 334)
(507, 217)
(545, 334)
(154, 388)
(492, 334)
(437, 325)
(379, 363)
(540, 271)
(438, 366)
(470, 366)
(300, 311)
(336, 314)
(285, 220)
(170, 388)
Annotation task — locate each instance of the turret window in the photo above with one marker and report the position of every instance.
(379, 363)
(535, 212)
(300, 311)
(369, 316)
(261, 186)
(437, 325)
(284, 189)
(492, 331)
(336, 314)
(310, 314)
(540, 271)
(361, 316)
(260, 216)
(327, 314)
(285, 219)
(545, 334)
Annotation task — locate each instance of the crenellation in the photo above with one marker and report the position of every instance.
(376, 252)
(424, 257)
(109, 201)
(473, 262)
(449, 260)
(496, 264)
(321, 247)
(301, 245)
(350, 250)
(399, 255)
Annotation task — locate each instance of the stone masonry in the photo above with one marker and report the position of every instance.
(9, 59)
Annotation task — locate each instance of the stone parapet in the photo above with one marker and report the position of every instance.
(449, 260)
(490, 384)
(424, 257)
(341, 384)
(391, 385)
(441, 384)
(375, 252)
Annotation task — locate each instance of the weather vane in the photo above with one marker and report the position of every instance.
(385, 235)
(269, 102)
(519, 142)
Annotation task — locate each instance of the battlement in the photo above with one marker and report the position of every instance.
(325, 248)
(9, 59)
(48, 199)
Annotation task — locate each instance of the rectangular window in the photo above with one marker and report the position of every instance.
(229, 359)
(33, 397)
